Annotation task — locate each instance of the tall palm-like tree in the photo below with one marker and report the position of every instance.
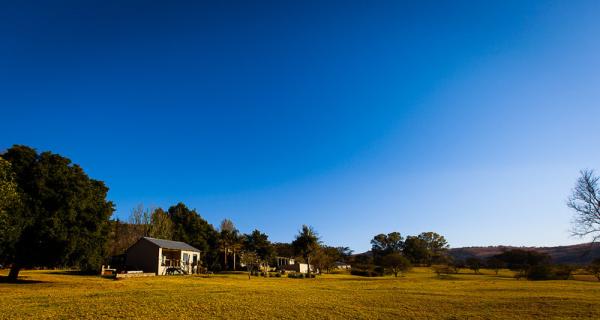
(236, 246)
(227, 240)
(306, 244)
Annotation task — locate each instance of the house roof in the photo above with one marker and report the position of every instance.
(170, 244)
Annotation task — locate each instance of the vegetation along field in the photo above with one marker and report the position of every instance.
(418, 294)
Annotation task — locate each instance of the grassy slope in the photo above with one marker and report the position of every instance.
(418, 295)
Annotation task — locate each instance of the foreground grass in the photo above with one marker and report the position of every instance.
(420, 294)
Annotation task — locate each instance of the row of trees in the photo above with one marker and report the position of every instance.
(225, 248)
(53, 215)
(393, 253)
(524, 262)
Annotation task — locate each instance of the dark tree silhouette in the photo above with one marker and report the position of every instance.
(64, 214)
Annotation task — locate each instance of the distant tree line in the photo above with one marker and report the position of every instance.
(529, 264)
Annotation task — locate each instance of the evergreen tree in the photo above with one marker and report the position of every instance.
(64, 214)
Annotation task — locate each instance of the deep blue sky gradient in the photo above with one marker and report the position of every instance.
(469, 118)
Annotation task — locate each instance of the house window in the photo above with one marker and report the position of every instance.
(186, 258)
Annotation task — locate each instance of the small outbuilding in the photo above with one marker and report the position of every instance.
(289, 264)
(162, 257)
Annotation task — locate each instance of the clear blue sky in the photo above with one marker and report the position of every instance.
(469, 118)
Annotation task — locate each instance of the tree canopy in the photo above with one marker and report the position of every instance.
(10, 199)
(384, 244)
(306, 244)
(190, 227)
(64, 214)
(259, 242)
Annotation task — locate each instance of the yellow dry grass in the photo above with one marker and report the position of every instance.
(418, 295)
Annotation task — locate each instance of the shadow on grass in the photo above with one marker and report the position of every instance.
(447, 277)
(70, 273)
(21, 280)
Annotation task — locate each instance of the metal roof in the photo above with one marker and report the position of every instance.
(170, 244)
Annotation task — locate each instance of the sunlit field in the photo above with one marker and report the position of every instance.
(419, 294)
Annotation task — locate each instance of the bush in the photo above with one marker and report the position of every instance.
(441, 270)
(548, 272)
(278, 275)
(541, 272)
(365, 273)
(563, 272)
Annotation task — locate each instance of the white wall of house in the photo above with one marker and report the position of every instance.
(186, 261)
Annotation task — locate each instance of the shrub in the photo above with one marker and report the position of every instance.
(594, 268)
(365, 273)
(548, 272)
(541, 272)
(441, 270)
(563, 272)
(278, 275)
(474, 264)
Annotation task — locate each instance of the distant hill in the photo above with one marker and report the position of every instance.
(579, 254)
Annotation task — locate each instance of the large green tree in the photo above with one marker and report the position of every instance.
(10, 224)
(190, 227)
(384, 244)
(415, 249)
(259, 242)
(64, 214)
(306, 244)
(436, 245)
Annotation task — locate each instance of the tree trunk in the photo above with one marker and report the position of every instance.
(233, 260)
(13, 275)
(225, 259)
(308, 261)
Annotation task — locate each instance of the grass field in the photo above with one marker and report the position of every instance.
(418, 295)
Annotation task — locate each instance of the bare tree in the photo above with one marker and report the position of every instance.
(142, 218)
(585, 201)
(228, 226)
